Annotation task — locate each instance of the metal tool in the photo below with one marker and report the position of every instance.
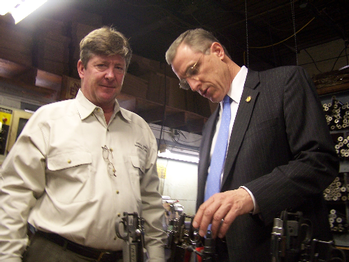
(291, 241)
(184, 240)
(131, 230)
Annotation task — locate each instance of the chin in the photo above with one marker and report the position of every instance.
(214, 100)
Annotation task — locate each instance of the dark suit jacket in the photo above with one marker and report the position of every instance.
(281, 150)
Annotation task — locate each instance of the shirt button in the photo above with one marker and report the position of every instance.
(117, 191)
(69, 161)
(119, 215)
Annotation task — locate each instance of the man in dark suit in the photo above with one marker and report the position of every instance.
(280, 154)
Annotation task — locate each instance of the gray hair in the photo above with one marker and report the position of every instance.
(198, 39)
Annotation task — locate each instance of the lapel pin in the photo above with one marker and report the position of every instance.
(248, 99)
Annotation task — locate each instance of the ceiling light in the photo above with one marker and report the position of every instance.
(5, 7)
(20, 9)
(177, 156)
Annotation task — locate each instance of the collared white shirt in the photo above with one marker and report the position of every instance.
(57, 169)
(235, 93)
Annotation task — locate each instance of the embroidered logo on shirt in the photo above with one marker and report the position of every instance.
(142, 147)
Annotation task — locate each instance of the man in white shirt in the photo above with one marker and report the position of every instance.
(78, 165)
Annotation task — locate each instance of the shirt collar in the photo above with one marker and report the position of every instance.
(237, 85)
(86, 107)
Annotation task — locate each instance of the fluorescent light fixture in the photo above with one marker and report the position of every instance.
(180, 157)
(6, 6)
(20, 9)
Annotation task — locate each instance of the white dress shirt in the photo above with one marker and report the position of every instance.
(235, 93)
(56, 177)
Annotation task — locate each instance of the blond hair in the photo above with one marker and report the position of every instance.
(105, 41)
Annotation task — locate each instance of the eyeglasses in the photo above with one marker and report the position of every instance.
(106, 152)
(191, 71)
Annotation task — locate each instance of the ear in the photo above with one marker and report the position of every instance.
(218, 50)
(80, 68)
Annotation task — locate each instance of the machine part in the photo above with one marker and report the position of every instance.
(184, 240)
(131, 230)
(5, 121)
(291, 241)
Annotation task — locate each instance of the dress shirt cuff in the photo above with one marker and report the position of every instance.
(255, 206)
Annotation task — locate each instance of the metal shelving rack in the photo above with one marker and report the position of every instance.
(337, 117)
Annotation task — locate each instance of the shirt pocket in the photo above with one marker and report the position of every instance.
(136, 173)
(67, 176)
(68, 160)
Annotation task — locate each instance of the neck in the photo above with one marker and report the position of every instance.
(233, 69)
(107, 116)
(108, 112)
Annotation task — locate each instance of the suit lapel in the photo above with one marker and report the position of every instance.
(205, 153)
(207, 139)
(242, 120)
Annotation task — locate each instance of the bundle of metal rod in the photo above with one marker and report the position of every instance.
(337, 114)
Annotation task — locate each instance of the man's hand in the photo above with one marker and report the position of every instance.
(220, 210)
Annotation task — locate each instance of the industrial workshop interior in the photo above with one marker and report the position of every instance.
(39, 52)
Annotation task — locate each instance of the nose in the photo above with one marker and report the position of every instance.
(110, 74)
(194, 84)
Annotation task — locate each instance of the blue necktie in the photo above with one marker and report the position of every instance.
(218, 156)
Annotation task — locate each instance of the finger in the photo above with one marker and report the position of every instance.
(205, 214)
(222, 221)
(198, 217)
(225, 224)
(208, 212)
(216, 225)
(241, 204)
(199, 214)
(230, 217)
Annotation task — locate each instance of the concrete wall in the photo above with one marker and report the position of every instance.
(180, 183)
